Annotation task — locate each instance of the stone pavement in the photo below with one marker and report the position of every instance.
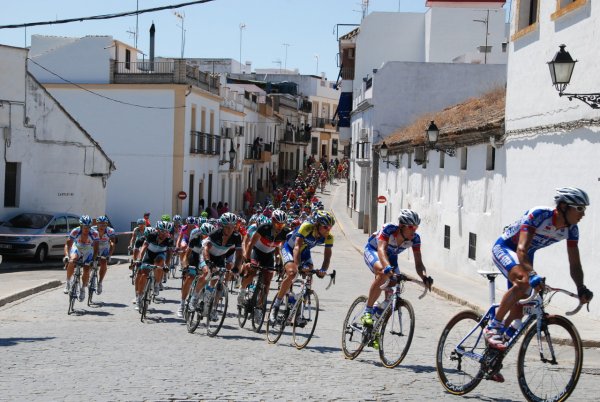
(104, 352)
(470, 292)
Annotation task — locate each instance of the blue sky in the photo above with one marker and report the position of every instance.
(212, 29)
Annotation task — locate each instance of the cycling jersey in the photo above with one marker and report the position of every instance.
(251, 230)
(388, 232)
(308, 232)
(156, 249)
(268, 241)
(196, 257)
(186, 230)
(83, 248)
(175, 230)
(218, 249)
(104, 240)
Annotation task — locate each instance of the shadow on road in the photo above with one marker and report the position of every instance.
(116, 305)
(16, 341)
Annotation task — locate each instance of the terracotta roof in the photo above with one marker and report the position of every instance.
(475, 115)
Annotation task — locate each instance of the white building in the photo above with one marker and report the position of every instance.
(51, 163)
(160, 120)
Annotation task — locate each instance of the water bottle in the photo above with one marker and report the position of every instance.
(377, 309)
(208, 293)
(251, 288)
(512, 329)
(291, 299)
(384, 305)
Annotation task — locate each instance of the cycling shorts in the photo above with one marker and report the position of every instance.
(138, 244)
(265, 260)
(371, 258)
(287, 255)
(86, 254)
(505, 258)
(154, 258)
(104, 251)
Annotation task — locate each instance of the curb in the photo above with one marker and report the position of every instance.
(28, 292)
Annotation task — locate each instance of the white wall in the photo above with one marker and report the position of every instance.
(140, 142)
(57, 157)
(81, 60)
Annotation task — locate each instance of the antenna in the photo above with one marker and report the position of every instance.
(286, 49)
(278, 61)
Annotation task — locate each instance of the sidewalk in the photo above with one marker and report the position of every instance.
(473, 292)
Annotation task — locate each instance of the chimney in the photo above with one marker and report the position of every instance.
(152, 30)
(248, 68)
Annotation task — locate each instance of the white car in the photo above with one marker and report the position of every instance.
(36, 234)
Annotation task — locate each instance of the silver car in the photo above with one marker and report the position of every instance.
(36, 234)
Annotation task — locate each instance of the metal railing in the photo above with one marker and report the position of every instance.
(144, 67)
(253, 153)
(204, 143)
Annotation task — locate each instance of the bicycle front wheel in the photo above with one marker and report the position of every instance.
(148, 294)
(459, 348)
(305, 320)
(72, 297)
(396, 334)
(275, 328)
(243, 310)
(354, 336)
(260, 310)
(91, 290)
(548, 368)
(217, 310)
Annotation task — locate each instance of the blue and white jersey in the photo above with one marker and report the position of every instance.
(541, 221)
(79, 242)
(105, 238)
(390, 232)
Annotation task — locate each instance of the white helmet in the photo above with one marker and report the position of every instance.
(279, 216)
(571, 196)
(408, 217)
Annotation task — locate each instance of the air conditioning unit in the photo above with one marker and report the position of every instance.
(364, 135)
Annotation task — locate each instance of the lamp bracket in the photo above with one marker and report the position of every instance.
(592, 99)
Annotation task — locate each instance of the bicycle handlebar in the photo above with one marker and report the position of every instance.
(547, 288)
(404, 278)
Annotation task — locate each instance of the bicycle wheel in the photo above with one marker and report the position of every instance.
(217, 310)
(354, 336)
(260, 309)
(72, 297)
(193, 319)
(275, 328)
(396, 334)
(148, 291)
(305, 320)
(458, 369)
(91, 290)
(549, 371)
(243, 310)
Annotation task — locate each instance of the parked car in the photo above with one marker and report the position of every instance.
(36, 234)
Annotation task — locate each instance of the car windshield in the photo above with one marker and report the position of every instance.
(29, 221)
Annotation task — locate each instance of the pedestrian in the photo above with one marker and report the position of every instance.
(147, 219)
(220, 208)
(212, 211)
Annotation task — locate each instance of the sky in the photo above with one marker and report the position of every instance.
(212, 30)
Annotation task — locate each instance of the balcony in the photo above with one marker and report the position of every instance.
(252, 155)
(204, 143)
(324, 123)
(292, 136)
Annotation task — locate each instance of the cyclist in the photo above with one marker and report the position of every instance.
(514, 251)
(196, 260)
(296, 252)
(381, 255)
(106, 246)
(155, 251)
(137, 239)
(184, 236)
(218, 246)
(262, 248)
(82, 243)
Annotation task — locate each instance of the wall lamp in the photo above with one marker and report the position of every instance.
(232, 155)
(561, 69)
(384, 153)
(432, 134)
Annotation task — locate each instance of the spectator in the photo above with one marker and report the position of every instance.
(225, 207)
(212, 211)
(274, 181)
(220, 208)
(147, 218)
(248, 200)
(201, 205)
(256, 148)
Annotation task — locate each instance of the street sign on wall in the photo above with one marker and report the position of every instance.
(381, 199)
(182, 195)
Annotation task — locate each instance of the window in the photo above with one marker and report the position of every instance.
(472, 245)
(527, 13)
(334, 148)
(73, 222)
(442, 160)
(127, 59)
(566, 6)
(504, 47)
(59, 225)
(463, 159)
(447, 237)
(409, 160)
(490, 160)
(314, 146)
(12, 177)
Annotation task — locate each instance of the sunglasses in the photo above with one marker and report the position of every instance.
(412, 227)
(578, 208)
(327, 228)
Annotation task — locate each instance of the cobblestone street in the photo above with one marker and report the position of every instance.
(106, 353)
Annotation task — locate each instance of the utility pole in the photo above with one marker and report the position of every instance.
(137, 17)
(486, 21)
(286, 50)
(181, 16)
(242, 27)
(317, 57)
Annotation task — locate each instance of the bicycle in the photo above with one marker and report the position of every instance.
(93, 286)
(390, 333)
(174, 266)
(148, 293)
(301, 311)
(212, 303)
(462, 361)
(75, 287)
(193, 315)
(255, 301)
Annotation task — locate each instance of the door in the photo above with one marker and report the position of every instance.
(209, 202)
(191, 196)
(58, 230)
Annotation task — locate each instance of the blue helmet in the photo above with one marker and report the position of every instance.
(177, 218)
(141, 221)
(102, 219)
(85, 220)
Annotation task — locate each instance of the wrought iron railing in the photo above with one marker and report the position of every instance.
(204, 143)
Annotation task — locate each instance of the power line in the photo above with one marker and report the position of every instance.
(105, 16)
(103, 96)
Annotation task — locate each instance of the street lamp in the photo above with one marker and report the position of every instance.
(181, 16)
(561, 69)
(432, 133)
(232, 155)
(384, 153)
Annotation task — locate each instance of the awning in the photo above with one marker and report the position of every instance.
(343, 110)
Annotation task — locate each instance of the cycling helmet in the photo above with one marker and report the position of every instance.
(202, 220)
(261, 220)
(408, 217)
(278, 216)
(324, 218)
(166, 218)
(190, 220)
(102, 219)
(228, 218)
(207, 229)
(161, 225)
(149, 230)
(140, 221)
(204, 214)
(241, 221)
(571, 196)
(169, 226)
(85, 220)
(282, 205)
(177, 218)
(195, 233)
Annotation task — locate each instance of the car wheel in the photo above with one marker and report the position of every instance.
(41, 253)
